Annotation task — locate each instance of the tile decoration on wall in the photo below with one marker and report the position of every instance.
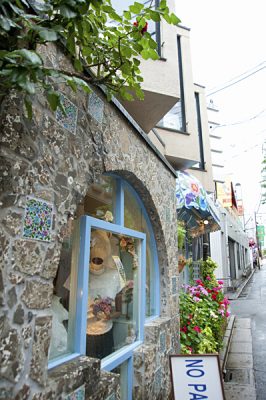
(78, 394)
(95, 107)
(174, 285)
(68, 121)
(167, 214)
(111, 397)
(37, 223)
(162, 342)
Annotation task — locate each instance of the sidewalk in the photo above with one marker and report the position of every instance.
(239, 377)
(237, 357)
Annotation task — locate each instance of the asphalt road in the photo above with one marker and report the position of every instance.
(252, 304)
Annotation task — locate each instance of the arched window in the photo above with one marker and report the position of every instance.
(108, 279)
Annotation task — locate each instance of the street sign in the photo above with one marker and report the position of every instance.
(196, 377)
(260, 231)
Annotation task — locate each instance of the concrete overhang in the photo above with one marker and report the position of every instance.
(148, 112)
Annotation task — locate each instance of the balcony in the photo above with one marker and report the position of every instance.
(161, 83)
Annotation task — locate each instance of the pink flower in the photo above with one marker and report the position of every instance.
(208, 278)
(196, 299)
(227, 314)
(184, 329)
(226, 301)
(198, 282)
(221, 282)
(203, 291)
(197, 329)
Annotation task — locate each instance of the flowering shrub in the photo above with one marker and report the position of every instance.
(203, 313)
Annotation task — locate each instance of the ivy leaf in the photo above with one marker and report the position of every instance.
(48, 35)
(155, 16)
(28, 106)
(27, 85)
(67, 12)
(28, 55)
(53, 100)
(127, 15)
(174, 19)
(136, 8)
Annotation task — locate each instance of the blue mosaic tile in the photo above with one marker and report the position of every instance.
(78, 394)
(167, 214)
(95, 107)
(162, 342)
(68, 121)
(158, 381)
(37, 222)
(174, 285)
(111, 397)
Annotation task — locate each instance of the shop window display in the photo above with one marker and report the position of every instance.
(113, 293)
(100, 289)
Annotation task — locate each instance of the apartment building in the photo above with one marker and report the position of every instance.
(229, 247)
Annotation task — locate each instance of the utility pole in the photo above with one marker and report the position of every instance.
(257, 237)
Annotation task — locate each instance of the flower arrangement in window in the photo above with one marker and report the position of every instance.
(127, 244)
(103, 307)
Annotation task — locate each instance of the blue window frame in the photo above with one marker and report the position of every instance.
(79, 288)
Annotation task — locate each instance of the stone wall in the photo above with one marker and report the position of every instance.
(50, 162)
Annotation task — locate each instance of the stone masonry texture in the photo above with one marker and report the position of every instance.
(56, 160)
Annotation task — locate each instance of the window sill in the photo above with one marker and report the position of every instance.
(67, 377)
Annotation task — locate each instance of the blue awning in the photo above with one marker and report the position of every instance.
(194, 206)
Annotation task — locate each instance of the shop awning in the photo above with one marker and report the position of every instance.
(194, 206)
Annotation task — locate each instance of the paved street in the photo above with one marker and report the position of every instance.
(250, 311)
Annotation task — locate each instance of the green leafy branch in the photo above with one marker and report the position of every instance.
(104, 48)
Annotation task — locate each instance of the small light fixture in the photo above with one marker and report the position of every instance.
(205, 222)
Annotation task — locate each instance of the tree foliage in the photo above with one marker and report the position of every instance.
(104, 47)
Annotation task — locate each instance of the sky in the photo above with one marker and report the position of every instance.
(228, 38)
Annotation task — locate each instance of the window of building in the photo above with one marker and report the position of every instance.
(107, 281)
(175, 119)
(201, 164)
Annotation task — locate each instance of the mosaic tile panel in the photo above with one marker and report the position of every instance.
(162, 342)
(37, 222)
(174, 285)
(111, 397)
(78, 394)
(167, 214)
(68, 120)
(95, 107)
(158, 381)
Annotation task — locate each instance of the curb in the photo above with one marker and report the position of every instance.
(223, 354)
(235, 295)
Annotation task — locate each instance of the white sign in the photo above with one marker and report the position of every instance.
(196, 377)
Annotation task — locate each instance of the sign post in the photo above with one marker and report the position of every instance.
(196, 377)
